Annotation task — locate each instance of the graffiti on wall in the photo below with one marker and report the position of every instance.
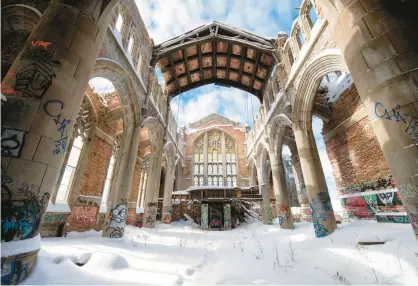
(87, 201)
(54, 218)
(167, 213)
(395, 114)
(15, 269)
(380, 184)
(12, 141)
(35, 78)
(6, 85)
(151, 215)
(204, 211)
(41, 44)
(282, 214)
(227, 216)
(117, 217)
(60, 144)
(22, 209)
(368, 205)
(321, 212)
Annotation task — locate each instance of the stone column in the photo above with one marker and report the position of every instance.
(168, 194)
(205, 156)
(322, 212)
(114, 226)
(204, 224)
(305, 209)
(47, 82)
(379, 43)
(263, 185)
(153, 185)
(223, 144)
(284, 212)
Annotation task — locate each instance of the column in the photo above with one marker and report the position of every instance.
(153, 185)
(284, 212)
(227, 216)
(114, 226)
(305, 209)
(263, 185)
(204, 221)
(379, 43)
(47, 81)
(205, 156)
(322, 212)
(168, 193)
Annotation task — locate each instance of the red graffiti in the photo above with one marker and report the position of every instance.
(41, 44)
(283, 208)
(6, 85)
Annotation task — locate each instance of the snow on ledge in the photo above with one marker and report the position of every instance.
(393, 213)
(103, 209)
(139, 210)
(58, 208)
(180, 193)
(20, 246)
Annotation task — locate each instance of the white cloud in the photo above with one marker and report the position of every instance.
(101, 85)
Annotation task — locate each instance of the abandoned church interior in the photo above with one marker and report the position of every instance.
(77, 159)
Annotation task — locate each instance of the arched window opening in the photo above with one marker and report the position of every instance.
(110, 171)
(291, 58)
(299, 37)
(70, 170)
(214, 159)
(312, 16)
(108, 180)
(139, 65)
(119, 23)
(131, 44)
(143, 183)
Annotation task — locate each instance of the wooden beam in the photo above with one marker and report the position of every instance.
(199, 54)
(186, 65)
(243, 56)
(173, 70)
(228, 58)
(214, 64)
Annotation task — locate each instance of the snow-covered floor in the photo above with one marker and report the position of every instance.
(181, 254)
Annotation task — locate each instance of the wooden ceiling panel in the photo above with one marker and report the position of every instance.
(170, 88)
(206, 47)
(266, 60)
(233, 76)
(236, 50)
(251, 54)
(207, 74)
(221, 74)
(180, 69)
(235, 63)
(191, 51)
(246, 80)
(221, 47)
(261, 73)
(221, 61)
(248, 67)
(193, 64)
(207, 62)
(183, 81)
(257, 85)
(195, 76)
(178, 55)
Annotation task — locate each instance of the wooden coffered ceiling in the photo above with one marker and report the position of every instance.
(215, 53)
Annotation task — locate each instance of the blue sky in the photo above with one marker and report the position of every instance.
(166, 19)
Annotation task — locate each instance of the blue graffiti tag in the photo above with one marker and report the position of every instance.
(381, 112)
(60, 144)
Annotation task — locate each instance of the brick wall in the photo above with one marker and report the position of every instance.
(355, 155)
(237, 135)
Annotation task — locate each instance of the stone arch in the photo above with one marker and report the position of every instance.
(262, 155)
(325, 62)
(252, 172)
(122, 82)
(155, 131)
(169, 151)
(17, 23)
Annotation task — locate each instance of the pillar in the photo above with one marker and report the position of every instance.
(284, 211)
(379, 43)
(48, 80)
(305, 209)
(204, 220)
(322, 212)
(227, 216)
(263, 185)
(115, 222)
(153, 185)
(168, 193)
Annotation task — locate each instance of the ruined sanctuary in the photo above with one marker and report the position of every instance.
(74, 159)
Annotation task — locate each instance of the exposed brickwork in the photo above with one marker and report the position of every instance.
(135, 183)
(98, 161)
(356, 155)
